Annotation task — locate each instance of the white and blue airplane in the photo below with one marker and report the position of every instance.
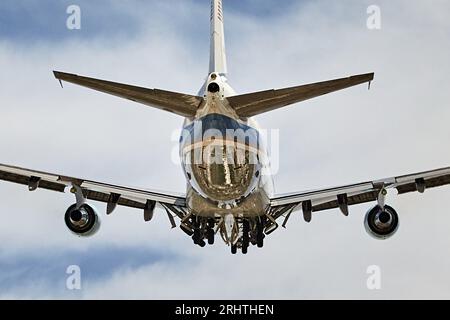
(229, 186)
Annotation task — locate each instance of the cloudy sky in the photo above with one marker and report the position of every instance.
(400, 126)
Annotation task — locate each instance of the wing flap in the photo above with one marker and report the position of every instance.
(429, 183)
(252, 104)
(182, 104)
(26, 180)
(428, 180)
(105, 198)
(365, 197)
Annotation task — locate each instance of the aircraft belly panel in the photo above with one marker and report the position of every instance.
(254, 205)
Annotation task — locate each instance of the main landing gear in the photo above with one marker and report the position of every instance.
(203, 231)
(252, 234)
(240, 233)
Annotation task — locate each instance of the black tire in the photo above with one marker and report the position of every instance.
(197, 236)
(202, 243)
(260, 234)
(233, 249)
(245, 233)
(260, 240)
(210, 236)
(189, 232)
(260, 243)
(244, 249)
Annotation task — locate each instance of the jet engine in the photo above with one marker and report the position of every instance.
(84, 221)
(381, 223)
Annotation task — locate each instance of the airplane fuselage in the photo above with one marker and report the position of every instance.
(224, 158)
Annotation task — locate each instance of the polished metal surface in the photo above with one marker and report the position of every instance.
(221, 157)
(223, 175)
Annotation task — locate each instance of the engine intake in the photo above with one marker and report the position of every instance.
(83, 221)
(381, 224)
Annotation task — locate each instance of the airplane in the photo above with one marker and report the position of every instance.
(226, 164)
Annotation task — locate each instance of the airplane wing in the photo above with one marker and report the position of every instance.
(182, 104)
(97, 191)
(345, 196)
(252, 104)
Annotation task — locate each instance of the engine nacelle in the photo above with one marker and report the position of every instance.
(83, 222)
(381, 224)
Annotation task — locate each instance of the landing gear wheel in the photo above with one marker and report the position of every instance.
(197, 236)
(210, 236)
(244, 249)
(233, 249)
(245, 234)
(202, 243)
(260, 241)
(260, 234)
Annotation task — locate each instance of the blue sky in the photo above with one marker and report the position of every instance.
(96, 264)
(398, 127)
(34, 20)
(45, 20)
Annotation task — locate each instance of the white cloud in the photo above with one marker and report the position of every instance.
(400, 126)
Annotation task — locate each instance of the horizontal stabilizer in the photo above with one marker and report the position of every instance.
(252, 104)
(182, 104)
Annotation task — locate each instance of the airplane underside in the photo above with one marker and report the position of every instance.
(239, 227)
(238, 232)
(245, 224)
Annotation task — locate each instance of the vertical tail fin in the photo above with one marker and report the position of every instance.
(218, 61)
